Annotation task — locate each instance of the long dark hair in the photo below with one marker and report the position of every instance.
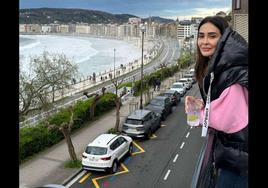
(202, 62)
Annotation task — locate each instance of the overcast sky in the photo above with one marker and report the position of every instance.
(183, 9)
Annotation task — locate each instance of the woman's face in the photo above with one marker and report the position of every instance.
(208, 37)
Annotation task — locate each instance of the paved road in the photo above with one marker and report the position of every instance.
(168, 159)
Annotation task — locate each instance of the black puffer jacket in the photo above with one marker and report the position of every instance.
(230, 66)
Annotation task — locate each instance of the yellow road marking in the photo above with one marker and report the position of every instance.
(95, 183)
(140, 148)
(125, 169)
(153, 136)
(85, 177)
(94, 180)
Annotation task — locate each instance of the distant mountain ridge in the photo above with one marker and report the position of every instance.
(66, 16)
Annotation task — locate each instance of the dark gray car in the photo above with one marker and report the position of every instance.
(174, 96)
(141, 123)
(161, 105)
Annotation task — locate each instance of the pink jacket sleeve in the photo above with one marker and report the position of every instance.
(229, 113)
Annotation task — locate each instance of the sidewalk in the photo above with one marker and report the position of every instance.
(48, 166)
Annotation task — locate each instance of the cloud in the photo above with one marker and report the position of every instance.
(142, 8)
(194, 12)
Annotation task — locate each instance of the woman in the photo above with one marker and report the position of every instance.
(222, 74)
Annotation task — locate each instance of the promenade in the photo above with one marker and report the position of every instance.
(48, 166)
(89, 82)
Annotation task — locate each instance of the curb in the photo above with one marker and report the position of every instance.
(71, 177)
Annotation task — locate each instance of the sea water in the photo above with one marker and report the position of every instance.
(90, 54)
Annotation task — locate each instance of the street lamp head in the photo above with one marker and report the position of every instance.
(142, 27)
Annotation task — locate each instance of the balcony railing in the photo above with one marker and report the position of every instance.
(203, 175)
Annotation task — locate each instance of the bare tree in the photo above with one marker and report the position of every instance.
(55, 70)
(46, 74)
(94, 102)
(65, 129)
(116, 84)
(31, 94)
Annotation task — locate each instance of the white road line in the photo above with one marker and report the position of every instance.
(166, 176)
(76, 178)
(187, 134)
(174, 160)
(182, 145)
(191, 127)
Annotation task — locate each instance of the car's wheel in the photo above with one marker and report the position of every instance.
(159, 125)
(114, 167)
(149, 134)
(164, 116)
(130, 149)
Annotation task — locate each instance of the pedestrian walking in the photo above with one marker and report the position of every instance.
(154, 84)
(158, 83)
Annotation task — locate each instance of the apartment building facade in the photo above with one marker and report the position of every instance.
(240, 17)
(185, 29)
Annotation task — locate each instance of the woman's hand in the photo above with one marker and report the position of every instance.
(192, 100)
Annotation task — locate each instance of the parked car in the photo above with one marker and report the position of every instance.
(105, 152)
(191, 71)
(187, 83)
(161, 105)
(174, 96)
(141, 123)
(190, 77)
(180, 87)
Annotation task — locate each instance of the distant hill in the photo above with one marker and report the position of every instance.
(65, 16)
(159, 20)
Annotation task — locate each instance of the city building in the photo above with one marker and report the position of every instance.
(82, 28)
(22, 28)
(64, 29)
(111, 30)
(185, 29)
(240, 17)
(45, 28)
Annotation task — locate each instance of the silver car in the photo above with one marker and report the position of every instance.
(141, 124)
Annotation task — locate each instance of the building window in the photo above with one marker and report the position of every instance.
(237, 4)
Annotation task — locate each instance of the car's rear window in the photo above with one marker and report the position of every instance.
(167, 94)
(157, 102)
(93, 150)
(134, 121)
(177, 86)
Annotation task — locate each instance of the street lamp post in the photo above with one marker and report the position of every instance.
(191, 37)
(114, 63)
(142, 41)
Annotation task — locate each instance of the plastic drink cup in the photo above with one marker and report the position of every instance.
(193, 115)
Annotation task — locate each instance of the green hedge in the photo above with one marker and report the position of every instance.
(37, 138)
(105, 104)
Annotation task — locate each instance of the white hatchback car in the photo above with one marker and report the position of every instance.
(106, 151)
